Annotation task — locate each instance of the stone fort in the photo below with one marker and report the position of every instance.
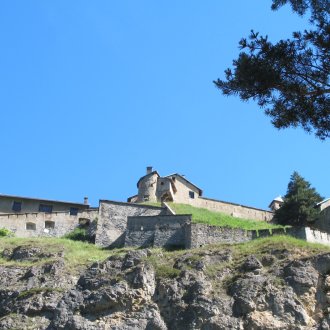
(135, 223)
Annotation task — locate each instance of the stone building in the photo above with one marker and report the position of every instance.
(178, 189)
(276, 203)
(171, 188)
(36, 217)
(19, 204)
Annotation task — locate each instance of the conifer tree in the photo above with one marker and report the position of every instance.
(290, 79)
(299, 203)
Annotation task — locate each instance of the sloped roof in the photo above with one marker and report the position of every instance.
(322, 202)
(143, 177)
(276, 199)
(183, 178)
(42, 200)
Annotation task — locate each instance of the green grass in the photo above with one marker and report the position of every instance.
(76, 253)
(213, 218)
(204, 216)
(163, 261)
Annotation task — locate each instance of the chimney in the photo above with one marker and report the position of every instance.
(149, 169)
(86, 200)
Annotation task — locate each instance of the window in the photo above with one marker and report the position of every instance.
(146, 198)
(45, 208)
(74, 210)
(17, 206)
(49, 224)
(162, 183)
(191, 194)
(31, 226)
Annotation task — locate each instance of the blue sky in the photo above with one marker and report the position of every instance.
(92, 92)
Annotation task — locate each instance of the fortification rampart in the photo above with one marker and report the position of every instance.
(178, 231)
(112, 222)
(198, 235)
(167, 231)
(235, 210)
(40, 224)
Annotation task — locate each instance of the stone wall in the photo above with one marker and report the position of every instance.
(41, 224)
(198, 235)
(323, 222)
(167, 231)
(112, 220)
(178, 231)
(147, 188)
(235, 210)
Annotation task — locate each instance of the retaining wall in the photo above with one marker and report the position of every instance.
(42, 224)
(112, 221)
(198, 235)
(236, 210)
(167, 231)
(178, 231)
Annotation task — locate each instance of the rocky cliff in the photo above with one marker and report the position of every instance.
(266, 284)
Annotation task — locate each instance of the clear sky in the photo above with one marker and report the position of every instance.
(92, 92)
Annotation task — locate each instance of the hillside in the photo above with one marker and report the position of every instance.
(273, 283)
(204, 216)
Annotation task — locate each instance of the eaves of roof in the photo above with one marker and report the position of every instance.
(43, 200)
(183, 178)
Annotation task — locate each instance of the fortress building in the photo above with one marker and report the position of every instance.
(171, 188)
(139, 222)
(178, 189)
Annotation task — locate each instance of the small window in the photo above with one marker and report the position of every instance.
(191, 194)
(17, 206)
(146, 198)
(49, 224)
(162, 183)
(45, 208)
(74, 210)
(31, 226)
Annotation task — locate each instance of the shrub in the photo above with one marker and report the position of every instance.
(78, 234)
(5, 232)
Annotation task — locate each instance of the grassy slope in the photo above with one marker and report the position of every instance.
(296, 249)
(200, 215)
(76, 253)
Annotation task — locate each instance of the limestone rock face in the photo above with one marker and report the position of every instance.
(204, 289)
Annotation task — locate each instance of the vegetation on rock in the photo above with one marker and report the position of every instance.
(270, 283)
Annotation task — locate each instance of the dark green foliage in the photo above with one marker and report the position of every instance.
(290, 78)
(79, 234)
(299, 203)
(5, 232)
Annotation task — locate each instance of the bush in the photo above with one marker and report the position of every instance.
(78, 234)
(5, 232)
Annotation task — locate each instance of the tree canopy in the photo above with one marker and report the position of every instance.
(290, 78)
(299, 203)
